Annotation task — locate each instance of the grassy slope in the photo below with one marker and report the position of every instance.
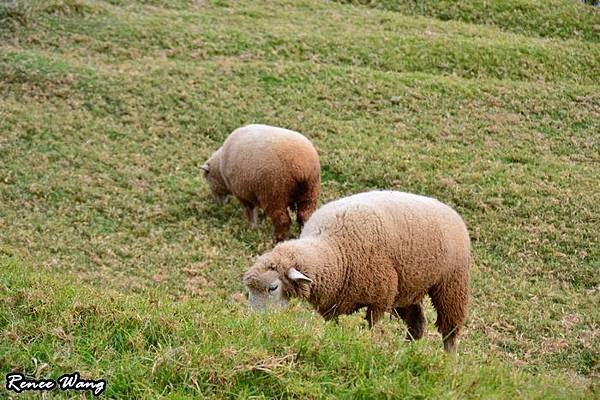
(108, 109)
(146, 347)
(564, 19)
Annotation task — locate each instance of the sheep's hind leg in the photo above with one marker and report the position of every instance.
(414, 317)
(304, 211)
(450, 299)
(281, 222)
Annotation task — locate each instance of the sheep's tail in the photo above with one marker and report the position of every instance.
(303, 199)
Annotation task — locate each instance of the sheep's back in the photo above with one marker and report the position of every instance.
(258, 156)
(422, 237)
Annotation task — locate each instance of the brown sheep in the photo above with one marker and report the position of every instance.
(268, 168)
(381, 250)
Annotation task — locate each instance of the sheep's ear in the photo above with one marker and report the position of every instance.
(298, 276)
(247, 276)
(204, 167)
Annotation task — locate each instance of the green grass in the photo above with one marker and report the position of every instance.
(149, 347)
(565, 19)
(116, 263)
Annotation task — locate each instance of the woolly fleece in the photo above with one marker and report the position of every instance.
(382, 250)
(268, 168)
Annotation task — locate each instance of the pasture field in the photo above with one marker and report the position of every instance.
(115, 262)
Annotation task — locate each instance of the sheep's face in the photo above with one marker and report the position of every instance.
(265, 291)
(212, 174)
(269, 288)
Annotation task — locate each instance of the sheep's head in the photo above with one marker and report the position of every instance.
(272, 280)
(212, 173)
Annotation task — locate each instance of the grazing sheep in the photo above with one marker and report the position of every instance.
(269, 168)
(382, 250)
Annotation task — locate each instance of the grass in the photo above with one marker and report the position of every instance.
(116, 263)
(545, 18)
(146, 347)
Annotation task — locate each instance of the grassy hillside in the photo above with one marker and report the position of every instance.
(565, 19)
(150, 347)
(116, 263)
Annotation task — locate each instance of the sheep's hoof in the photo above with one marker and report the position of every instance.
(450, 345)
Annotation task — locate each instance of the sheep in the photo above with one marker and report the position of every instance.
(268, 168)
(383, 250)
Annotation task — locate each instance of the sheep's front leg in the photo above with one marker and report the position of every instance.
(374, 314)
(251, 213)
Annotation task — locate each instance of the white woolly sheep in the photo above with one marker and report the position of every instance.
(269, 168)
(382, 250)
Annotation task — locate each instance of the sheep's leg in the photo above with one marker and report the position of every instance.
(307, 204)
(414, 317)
(374, 314)
(450, 299)
(281, 222)
(251, 213)
(304, 211)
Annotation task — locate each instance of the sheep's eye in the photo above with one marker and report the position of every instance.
(273, 287)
